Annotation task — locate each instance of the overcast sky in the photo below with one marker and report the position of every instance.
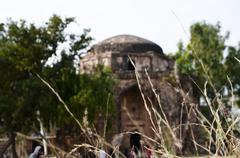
(164, 22)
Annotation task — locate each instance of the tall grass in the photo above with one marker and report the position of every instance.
(217, 134)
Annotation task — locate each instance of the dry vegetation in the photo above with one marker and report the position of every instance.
(219, 132)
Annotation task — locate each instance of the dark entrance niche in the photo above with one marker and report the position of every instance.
(135, 142)
(130, 65)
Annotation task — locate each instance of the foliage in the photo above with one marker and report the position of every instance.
(27, 50)
(204, 58)
(213, 68)
(95, 94)
(232, 68)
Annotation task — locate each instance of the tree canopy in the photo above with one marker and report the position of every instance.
(27, 50)
(207, 58)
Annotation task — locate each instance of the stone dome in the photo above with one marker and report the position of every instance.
(126, 43)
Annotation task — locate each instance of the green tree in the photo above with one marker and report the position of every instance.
(95, 94)
(25, 51)
(232, 68)
(203, 58)
(207, 59)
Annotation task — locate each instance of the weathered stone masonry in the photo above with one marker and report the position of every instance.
(114, 53)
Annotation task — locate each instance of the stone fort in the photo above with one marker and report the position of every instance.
(125, 55)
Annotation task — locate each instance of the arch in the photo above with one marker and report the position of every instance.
(128, 87)
(135, 142)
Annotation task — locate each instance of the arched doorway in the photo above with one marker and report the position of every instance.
(133, 113)
(135, 142)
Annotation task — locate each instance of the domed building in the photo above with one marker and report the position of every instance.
(127, 55)
(114, 52)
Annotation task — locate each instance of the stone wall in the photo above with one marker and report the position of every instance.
(162, 93)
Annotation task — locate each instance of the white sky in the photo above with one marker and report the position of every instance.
(151, 19)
